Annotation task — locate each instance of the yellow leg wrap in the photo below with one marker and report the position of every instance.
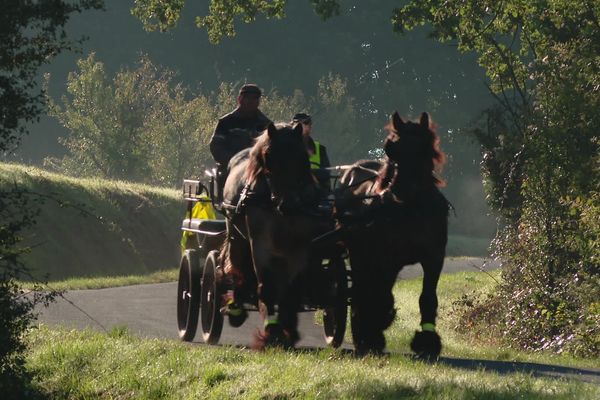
(233, 309)
(271, 321)
(428, 327)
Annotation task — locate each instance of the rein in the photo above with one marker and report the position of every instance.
(270, 201)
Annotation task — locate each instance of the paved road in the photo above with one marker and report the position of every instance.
(150, 311)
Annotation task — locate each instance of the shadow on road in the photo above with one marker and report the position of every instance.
(499, 367)
(535, 369)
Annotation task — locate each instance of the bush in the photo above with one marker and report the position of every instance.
(16, 215)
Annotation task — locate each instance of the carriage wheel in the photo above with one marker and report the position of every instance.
(210, 313)
(188, 295)
(336, 313)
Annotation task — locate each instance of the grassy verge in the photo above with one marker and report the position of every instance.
(97, 227)
(81, 365)
(168, 275)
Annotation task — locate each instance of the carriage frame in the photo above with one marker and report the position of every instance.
(202, 291)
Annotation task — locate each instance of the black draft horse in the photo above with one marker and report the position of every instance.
(269, 233)
(392, 218)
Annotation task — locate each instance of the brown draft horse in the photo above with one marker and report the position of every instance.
(269, 233)
(392, 219)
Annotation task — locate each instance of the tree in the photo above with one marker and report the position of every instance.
(540, 147)
(142, 126)
(31, 33)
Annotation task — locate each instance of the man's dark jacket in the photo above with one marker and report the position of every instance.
(234, 133)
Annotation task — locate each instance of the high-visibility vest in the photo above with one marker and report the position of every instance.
(315, 159)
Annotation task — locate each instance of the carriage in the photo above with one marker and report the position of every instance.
(388, 213)
(203, 288)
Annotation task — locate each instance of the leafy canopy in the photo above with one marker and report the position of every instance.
(222, 14)
(32, 33)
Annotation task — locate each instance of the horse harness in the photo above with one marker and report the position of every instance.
(259, 194)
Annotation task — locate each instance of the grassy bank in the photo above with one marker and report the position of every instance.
(101, 228)
(96, 227)
(162, 276)
(80, 365)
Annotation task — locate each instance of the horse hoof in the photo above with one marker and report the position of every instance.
(237, 320)
(426, 345)
(235, 314)
(272, 336)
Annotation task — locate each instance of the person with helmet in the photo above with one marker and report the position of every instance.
(317, 153)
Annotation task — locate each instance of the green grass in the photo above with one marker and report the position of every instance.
(89, 227)
(168, 275)
(97, 227)
(89, 365)
(85, 365)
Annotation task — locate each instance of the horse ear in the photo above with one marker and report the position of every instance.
(397, 121)
(271, 130)
(297, 131)
(424, 120)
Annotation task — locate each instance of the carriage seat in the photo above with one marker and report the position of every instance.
(211, 227)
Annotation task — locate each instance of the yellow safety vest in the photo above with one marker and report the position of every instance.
(315, 159)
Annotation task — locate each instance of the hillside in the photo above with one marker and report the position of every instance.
(98, 227)
(102, 228)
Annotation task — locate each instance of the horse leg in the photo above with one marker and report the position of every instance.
(236, 253)
(427, 343)
(272, 334)
(372, 303)
(290, 297)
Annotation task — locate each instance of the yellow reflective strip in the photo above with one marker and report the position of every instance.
(315, 159)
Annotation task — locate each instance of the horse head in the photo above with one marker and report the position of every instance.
(281, 157)
(414, 146)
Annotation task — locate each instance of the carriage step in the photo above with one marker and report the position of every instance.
(211, 227)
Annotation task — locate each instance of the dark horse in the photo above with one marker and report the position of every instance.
(392, 218)
(267, 191)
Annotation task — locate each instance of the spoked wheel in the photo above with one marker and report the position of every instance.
(188, 295)
(210, 303)
(336, 313)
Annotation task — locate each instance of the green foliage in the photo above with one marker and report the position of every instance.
(138, 126)
(164, 14)
(222, 14)
(158, 14)
(540, 144)
(32, 32)
(144, 127)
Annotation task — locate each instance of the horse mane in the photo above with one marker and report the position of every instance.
(256, 158)
(434, 167)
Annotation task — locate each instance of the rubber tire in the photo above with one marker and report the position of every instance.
(188, 295)
(335, 315)
(211, 319)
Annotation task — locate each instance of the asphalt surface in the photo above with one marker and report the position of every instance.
(150, 311)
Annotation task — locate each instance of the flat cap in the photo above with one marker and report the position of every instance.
(250, 88)
(302, 117)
